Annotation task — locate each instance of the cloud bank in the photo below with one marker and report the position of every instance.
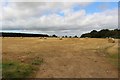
(59, 18)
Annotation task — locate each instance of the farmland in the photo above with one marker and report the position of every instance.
(55, 58)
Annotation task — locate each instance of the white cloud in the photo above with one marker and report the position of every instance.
(61, 0)
(44, 17)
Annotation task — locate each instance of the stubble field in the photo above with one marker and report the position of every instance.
(55, 58)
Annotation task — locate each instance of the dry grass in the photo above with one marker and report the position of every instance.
(69, 57)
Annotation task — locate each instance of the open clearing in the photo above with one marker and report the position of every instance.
(66, 58)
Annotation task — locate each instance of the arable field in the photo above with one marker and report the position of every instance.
(55, 58)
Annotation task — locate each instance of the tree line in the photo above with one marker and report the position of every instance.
(104, 33)
(6, 34)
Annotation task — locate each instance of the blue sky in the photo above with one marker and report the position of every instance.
(59, 18)
(94, 7)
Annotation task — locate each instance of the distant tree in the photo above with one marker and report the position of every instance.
(66, 36)
(104, 33)
(70, 36)
(86, 35)
(94, 34)
(54, 35)
(75, 36)
(94, 31)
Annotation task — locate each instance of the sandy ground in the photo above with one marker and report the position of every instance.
(67, 58)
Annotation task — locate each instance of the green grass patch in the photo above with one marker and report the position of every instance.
(12, 69)
(114, 56)
(17, 69)
(114, 59)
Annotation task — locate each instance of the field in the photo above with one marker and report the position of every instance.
(55, 58)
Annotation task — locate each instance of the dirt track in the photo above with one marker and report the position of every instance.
(79, 63)
(67, 58)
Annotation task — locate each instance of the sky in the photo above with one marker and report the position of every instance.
(60, 18)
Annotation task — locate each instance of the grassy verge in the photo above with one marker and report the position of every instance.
(112, 56)
(17, 69)
(114, 60)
